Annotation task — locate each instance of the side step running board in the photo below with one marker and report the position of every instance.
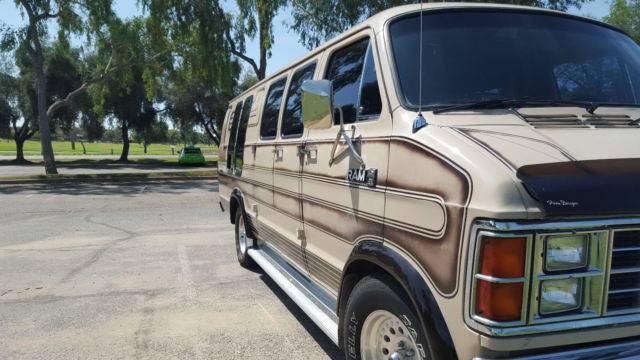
(319, 314)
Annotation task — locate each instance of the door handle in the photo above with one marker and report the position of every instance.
(309, 153)
(279, 152)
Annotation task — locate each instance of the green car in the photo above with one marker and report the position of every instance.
(191, 155)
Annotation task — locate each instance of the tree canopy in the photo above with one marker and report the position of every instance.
(626, 15)
(318, 21)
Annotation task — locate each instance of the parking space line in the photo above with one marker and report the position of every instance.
(191, 292)
(186, 272)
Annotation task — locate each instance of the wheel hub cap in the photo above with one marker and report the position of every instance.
(242, 236)
(385, 337)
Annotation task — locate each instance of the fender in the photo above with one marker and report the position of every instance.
(412, 282)
(239, 197)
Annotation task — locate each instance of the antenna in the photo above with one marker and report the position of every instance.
(420, 64)
(419, 122)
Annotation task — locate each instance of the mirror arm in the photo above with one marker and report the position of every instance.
(343, 133)
(347, 139)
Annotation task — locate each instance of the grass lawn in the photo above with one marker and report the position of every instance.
(8, 147)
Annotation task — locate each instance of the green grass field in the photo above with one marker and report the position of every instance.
(8, 147)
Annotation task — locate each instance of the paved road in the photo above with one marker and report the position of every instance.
(137, 271)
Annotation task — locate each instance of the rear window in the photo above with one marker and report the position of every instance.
(192, 151)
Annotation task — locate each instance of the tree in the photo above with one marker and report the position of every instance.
(157, 133)
(320, 20)
(9, 113)
(63, 75)
(200, 74)
(126, 95)
(626, 15)
(68, 14)
(255, 19)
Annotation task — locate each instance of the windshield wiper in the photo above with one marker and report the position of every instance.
(516, 102)
(484, 104)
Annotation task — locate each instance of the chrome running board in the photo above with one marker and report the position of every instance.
(293, 284)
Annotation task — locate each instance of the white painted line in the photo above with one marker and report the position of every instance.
(191, 293)
(266, 312)
(186, 272)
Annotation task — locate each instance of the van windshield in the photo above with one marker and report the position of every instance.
(474, 56)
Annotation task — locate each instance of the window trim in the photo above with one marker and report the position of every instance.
(264, 105)
(357, 38)
(313, 62)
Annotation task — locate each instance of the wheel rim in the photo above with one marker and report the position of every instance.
(385, 337)
(242, 236)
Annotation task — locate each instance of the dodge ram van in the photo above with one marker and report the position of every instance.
(449, 181)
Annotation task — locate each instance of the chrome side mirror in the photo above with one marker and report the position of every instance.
(317, 104)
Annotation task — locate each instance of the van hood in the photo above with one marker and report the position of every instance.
(573, 165)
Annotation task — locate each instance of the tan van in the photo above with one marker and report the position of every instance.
(453, 181)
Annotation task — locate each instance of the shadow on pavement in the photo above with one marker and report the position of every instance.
(115, 188)
(325, 343)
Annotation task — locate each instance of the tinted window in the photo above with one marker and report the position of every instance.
(292, 120)
(269, 122)
(232, 134)
(370, 102)
(501, 55)
(346, 69)
(241, 137)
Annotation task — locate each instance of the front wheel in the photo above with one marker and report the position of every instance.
(380, 325)
(243, 242)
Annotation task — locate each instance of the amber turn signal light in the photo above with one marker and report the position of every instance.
(499, 302)
(503, 257)
(499, 292)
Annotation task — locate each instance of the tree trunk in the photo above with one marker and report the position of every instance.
(124, 157)
(73, 145)
(43, 118)
(145, 147)
(84, 149)
(20, 151)
(264, 31)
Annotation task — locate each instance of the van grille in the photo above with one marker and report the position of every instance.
(624, 282)
(584, 121)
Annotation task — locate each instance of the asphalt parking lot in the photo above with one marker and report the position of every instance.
(136, 271)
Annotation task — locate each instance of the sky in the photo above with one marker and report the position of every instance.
(286, 48)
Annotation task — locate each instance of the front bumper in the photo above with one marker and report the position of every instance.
(618, 350)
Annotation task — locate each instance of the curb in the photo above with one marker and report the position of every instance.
(107, 178)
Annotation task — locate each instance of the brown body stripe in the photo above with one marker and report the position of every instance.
(437, 254)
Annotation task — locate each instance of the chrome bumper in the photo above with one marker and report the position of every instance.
(624, 350)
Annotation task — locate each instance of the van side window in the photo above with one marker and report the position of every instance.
(292, 125)
(370, 101)
(241, 136)
(355, 85)
(232, 135)
(269, 122)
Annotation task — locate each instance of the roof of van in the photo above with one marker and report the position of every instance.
(378, 21)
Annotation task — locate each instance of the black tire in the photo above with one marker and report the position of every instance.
(241, 251)
(374, 294)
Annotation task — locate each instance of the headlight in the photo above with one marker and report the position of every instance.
(560, 296)
(566, 252)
